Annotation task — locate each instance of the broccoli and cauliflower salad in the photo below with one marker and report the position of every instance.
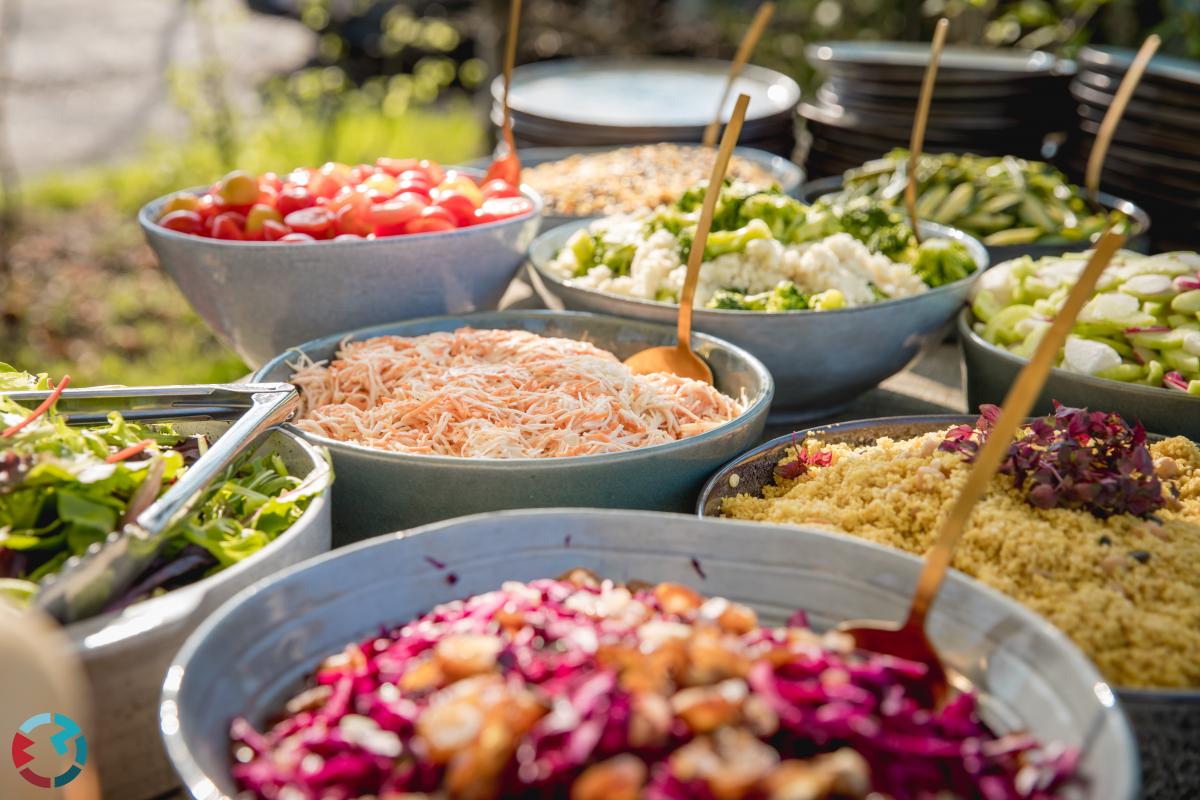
(767, 251)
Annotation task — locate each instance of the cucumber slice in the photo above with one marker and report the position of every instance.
(1126, 373)
(1167, 340)
(1179, 360)
(1001, 328)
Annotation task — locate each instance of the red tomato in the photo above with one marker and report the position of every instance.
(356, 197)
(416, 187)
(350, 220)
(395, 166)
(498, 208)
(294, 198)
(297, 237)
(326, 184)
(206, 207)
(267, 196)
(183, 222)
(274, 231)
(269, 180)
(460, 207)
(499, 188)
(433, 170)
(341, 237)
(361, 172)
(507, 168)
(258, 216)
(316, 222)
(394, 212)
(432, 220)
(227, 226)
(416, 176)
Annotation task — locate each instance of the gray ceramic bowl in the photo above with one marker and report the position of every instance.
(821, 360)
(379, 491)
(1167, 723)
(989, 371)
(263, 297)
(788, 174)
(1139, 241)
(249, 657)
(126, 653)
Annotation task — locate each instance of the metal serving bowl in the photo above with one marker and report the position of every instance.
(256, 651)
(262, 297)
(126, 653)
(380, 491)
(990, 370)
(787, 174)
(1165, 721)
(1139, 240)
(821, 360)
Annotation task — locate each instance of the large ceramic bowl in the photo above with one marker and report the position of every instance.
(126, 653)
(255, 651)
(1139, 240)
(380, 491)
(821, 360)
(263, 297)
(1166, 721)
(989, 371)
(787, 174)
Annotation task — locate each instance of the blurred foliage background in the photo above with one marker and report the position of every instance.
(80, 292)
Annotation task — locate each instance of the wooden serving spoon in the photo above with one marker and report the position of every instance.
(922, 117)
(908, 640)
(749, 41)
(506, 166)
(680, 359)
(1112, 117)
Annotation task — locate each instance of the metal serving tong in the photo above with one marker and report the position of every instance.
(86, 583)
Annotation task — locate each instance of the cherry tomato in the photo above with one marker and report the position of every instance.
(258, 215)
(180, 202)
(461, 208)
(325, 184)
(499, 188)
(356, 197)
(227, 225)
(382, 183)
(206, 207)
(416, 176)
(350, 220)
(297, 237)
(395, 166)
(341, 237)
(274, 231)
(298, 177)
(507, 168)
(505, 207)
(239, 189)
(183, 221)
(433, 170)
(267, 196)
(432, 220)
(269, 180)
(457, 183)
(316, 222)
(394, 212)
(294, 198)
(415, 187)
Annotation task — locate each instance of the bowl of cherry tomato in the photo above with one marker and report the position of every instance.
(270, 261)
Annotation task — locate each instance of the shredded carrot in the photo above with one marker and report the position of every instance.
(128, 452)
(499, 394)
(41, 409)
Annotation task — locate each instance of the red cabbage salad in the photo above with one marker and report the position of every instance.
(64, 488)
(584, 689)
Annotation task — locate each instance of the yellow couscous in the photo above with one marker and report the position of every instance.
(1126, 589)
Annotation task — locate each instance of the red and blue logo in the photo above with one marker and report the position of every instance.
(68, 739)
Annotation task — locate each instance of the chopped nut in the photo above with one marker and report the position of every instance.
(734, 480)
(650, 721)
(467, 654)
(423, 676)
(706, 708)
(675, 598)
(731, 761)
(448, 727)
(760, 717)
(580, 577)
(1166, 467)
(618, 778)
(309, 699)
(712, 657)
(733, 617)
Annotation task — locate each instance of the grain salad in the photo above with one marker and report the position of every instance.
(631, 178)
(1087, 527)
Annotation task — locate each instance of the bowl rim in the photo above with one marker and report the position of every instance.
(81, 631)
(968, 334)
(194, 777)
(1139, 692)
(830, 184)
(939, 231)
(757, 406)
(147, 218)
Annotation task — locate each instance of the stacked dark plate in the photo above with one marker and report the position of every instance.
(615, 101)
(1154, 158)
(991, 102)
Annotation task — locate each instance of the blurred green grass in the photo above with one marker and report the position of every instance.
(85, 296)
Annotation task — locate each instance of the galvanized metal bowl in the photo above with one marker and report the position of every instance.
(263, 297)
(126, 653)
(1139, 240)
(1166, 722)
(821, 360)
(256, 651)
(990, 370)
(380, 491)
(787, 174)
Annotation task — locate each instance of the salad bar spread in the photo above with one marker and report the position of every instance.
(767, 252)
(590, 690)
(1087, 524)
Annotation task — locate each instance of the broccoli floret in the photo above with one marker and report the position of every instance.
(735, 241)
(619, 259)
(727, 299)
(583, 246)
(786, 297)
(881, 230)
(828, 300)
(942, 261)
(778, 211)
(666, 296)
